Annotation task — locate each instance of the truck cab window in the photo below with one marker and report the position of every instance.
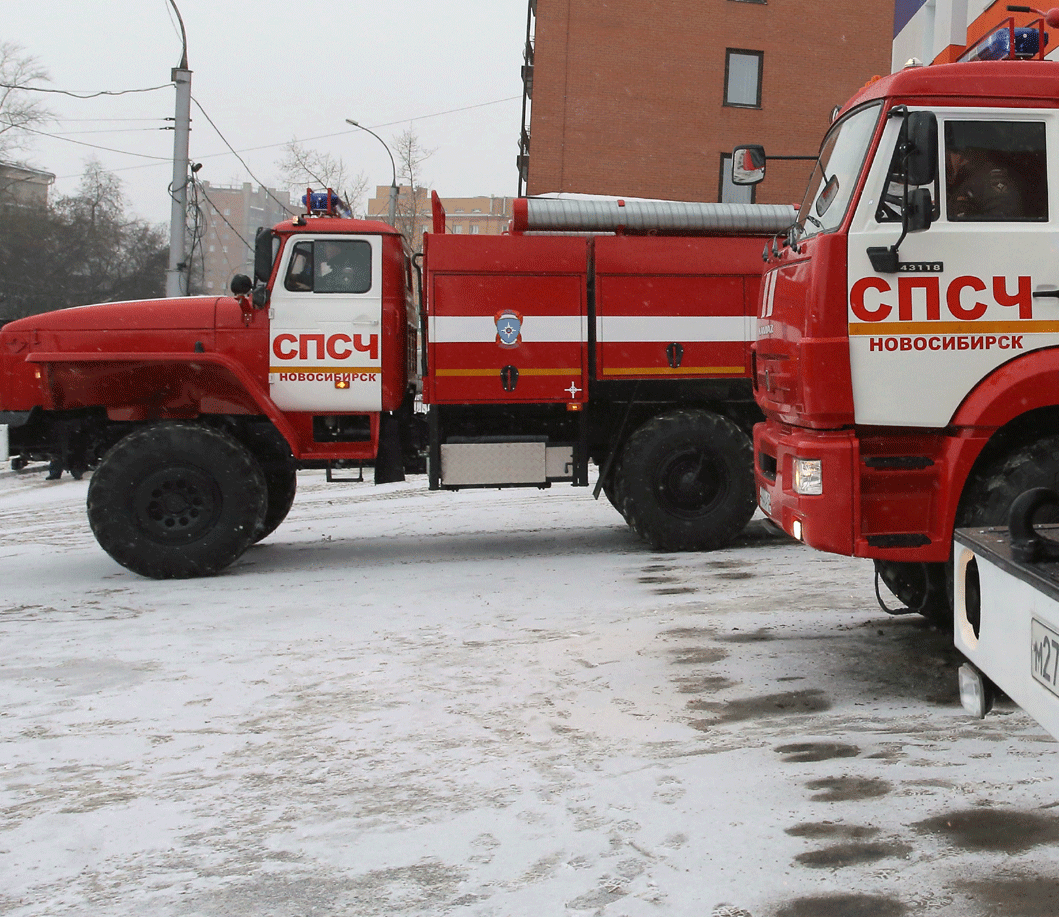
(892, 200)
(834, 178)
(342, 266)
(330, 266)
(299, 277)
(996, 171)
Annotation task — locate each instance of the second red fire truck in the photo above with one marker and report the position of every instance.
(615, 333)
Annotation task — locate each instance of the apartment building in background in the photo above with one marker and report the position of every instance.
(24, 186)
(484, 215)
(230, 217)
(637, 99)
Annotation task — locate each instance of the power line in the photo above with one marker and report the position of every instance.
(450, 111)
(83, 95)
(217, 210)
(250, 172)
(111, 130)
(268, 146)
(437, 114)
(253, 149)
(101, 120)
(94, 146)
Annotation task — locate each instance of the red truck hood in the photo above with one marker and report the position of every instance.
(193, 312)
(802, 370)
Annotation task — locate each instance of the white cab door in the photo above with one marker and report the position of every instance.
(325, 325)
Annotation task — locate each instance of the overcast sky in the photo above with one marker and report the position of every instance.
(266, 72)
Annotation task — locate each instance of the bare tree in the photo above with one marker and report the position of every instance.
(301, 167)
(18, 110)
(81, 249)
(413, 203)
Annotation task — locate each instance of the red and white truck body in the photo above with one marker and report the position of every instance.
(615, 333)
(907, 345)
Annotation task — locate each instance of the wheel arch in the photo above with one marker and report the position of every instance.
(1022, 385)
(615, 434)
(1008, 408)
(143, 387)
(1020, 431)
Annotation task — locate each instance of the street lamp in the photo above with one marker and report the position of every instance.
(393, 165)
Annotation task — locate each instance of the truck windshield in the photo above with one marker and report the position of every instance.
(835, 174)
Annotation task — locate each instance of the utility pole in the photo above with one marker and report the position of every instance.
(181, 76)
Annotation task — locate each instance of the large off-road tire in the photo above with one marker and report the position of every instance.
(614, 488)
(281, 484)
(987, 498)
(688, 479)
(177, 500)
(923, 588)
(280, 471)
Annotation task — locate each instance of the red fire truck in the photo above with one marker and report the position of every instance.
(907, 358)
(609, 332)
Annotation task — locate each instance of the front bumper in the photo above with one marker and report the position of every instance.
(826, 521)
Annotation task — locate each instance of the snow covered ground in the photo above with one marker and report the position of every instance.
(493, 703)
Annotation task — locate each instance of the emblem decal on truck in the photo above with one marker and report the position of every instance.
(508, 328)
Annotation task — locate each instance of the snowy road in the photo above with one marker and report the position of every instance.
(493, 703)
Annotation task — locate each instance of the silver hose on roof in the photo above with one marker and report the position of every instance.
(543, 214)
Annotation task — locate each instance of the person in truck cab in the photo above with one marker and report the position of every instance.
(996, 170)
(980, 188)
(343, 266)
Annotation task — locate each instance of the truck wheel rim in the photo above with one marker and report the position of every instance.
(176, 505)
(689, 484)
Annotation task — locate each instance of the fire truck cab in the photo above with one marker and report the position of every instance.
(907, 351)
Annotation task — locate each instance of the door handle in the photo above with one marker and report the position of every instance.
(1042, 293)
(509, 378)
(674, 353)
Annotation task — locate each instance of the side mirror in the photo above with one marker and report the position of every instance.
(920, 210)
(241, 285)
(263, 255)
(922, 161)
(748, 164)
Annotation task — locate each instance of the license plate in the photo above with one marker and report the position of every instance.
(1044, 655)
(764, 498)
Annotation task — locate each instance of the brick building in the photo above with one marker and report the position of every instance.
(230, 219)
(485, 215)
(648, 99)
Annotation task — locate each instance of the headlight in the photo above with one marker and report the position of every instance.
(808, 477)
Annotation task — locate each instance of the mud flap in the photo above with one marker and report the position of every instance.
(389, 461)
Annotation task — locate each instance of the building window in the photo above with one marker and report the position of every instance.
(475, 228)
(742, 78)
(729, 192)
